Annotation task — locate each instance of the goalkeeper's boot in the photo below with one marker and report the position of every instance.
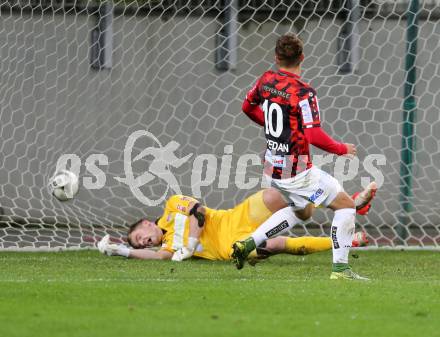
(363, 199)
(347, 274)
(241, 250)
(360, 239)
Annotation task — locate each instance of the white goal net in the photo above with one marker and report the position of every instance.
(94, 80)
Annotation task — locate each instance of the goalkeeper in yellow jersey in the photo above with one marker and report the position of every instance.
(186, 229)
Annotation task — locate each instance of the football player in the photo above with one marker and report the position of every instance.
(186, 228)
(287, 107)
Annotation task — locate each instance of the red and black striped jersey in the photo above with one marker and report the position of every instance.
(290, 105)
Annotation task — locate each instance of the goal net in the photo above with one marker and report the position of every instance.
(108, 88)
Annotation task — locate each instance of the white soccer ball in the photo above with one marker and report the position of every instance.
(64, 185)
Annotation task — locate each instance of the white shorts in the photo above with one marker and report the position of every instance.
(311, 186)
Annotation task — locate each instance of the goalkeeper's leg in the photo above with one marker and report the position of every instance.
(304, 245)
(280, 221)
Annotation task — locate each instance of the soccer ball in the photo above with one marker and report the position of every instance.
(64, 185)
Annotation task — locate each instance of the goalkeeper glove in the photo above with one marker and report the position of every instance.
(110, 249)
(186, 252)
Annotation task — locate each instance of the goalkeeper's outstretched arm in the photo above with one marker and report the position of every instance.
(196, 223)
(148, 254)
(145, 233)
(112, 249)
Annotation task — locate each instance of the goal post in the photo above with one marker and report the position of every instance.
(143, 98)
(409, 117)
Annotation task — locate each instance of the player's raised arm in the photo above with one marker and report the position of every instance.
(311, 124)
(319, 138)
(254, 112)
(251, 105)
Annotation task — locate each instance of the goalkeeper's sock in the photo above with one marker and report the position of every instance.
(280, 221)
(307, 245)
(342, 232)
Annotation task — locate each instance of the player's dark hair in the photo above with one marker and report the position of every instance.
(288, 50)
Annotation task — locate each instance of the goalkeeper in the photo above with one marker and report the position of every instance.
(187, 229)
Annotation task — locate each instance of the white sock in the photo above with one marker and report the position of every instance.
(342, 232)
(280, 221)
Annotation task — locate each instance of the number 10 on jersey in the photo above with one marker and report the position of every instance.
(269, 109)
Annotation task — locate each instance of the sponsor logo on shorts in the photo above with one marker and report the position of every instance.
(316, 195)
(282, 226)
(334, 239)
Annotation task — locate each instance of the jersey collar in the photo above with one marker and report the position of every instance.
(284, 72)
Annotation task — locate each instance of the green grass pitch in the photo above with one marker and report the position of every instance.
(87, 294)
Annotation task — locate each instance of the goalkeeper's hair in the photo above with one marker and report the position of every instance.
(288, 50)
(133, 227)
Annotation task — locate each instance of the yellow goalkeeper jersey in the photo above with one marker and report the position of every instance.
(222, 227)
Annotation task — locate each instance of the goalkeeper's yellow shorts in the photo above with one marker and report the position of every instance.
(224, 227)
